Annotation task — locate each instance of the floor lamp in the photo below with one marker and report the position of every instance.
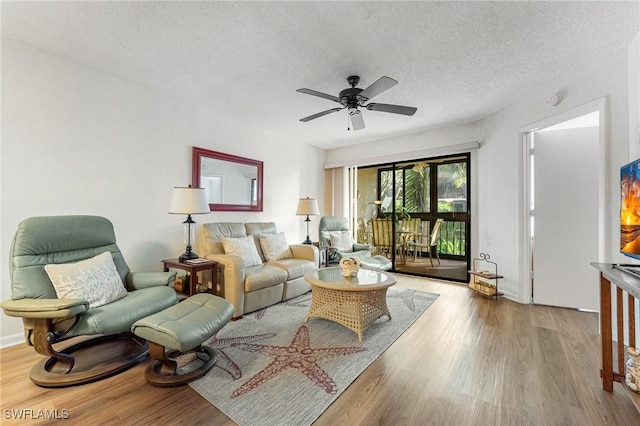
(309, 207)
(189, 201)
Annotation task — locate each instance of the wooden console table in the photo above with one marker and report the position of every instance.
(623, 282)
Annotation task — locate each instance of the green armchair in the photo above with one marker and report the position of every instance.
(64, 241)
(333, 231)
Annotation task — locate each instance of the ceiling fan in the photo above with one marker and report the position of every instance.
(352, 98)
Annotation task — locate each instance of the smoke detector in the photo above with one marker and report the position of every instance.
(552, 101)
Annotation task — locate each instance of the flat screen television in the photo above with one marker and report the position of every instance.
(630, 209)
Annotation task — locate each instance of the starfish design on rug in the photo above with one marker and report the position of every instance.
(225, 362)
(298, 302)
(408, 297)
(299, 355)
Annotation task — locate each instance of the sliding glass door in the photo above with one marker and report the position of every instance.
(413, 197)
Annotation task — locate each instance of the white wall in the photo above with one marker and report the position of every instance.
(430, 142)
(78, 141)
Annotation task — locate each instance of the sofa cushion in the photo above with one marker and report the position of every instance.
(244, 247)
(341, 240)
(275, 246)
(295, 268)
(95, 280)
(212, 233)
(258, 277)
(260, 228)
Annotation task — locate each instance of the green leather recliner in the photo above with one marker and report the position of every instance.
(329, 224)
(48, 320)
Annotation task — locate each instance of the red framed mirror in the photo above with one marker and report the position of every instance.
(232, 183)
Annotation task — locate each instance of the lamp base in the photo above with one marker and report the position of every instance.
(188, 255)
(307, 241)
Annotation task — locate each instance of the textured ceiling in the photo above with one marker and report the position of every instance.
(457, 62)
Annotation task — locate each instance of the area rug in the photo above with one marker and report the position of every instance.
(275, 369)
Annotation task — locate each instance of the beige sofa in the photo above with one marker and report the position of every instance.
(250, 288)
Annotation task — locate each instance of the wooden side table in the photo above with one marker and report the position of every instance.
(192, 269)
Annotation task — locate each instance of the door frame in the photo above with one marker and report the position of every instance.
(601, 106)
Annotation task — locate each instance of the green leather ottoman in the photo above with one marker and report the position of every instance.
(375, 262)
(183, 328)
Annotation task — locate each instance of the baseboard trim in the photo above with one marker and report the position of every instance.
(14, 339)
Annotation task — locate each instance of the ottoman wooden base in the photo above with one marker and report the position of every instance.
(162, 372)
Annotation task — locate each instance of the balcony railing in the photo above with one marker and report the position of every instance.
(452, 238)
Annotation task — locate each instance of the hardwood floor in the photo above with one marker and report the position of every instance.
(467, 360)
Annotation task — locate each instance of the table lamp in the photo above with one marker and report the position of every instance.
(309, 207)
(189, 201)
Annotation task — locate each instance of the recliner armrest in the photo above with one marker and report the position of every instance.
(361, 247)
(140, 280)
(305, 251)
(233, 275)
(44, 308)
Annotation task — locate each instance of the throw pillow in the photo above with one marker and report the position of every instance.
(245, 247)
(275, 246)
(95, 280)
(342, 241)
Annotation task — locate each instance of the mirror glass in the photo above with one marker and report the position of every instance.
(232, 183)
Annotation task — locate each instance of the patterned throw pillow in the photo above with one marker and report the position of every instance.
(245, 247)
(342, 241)
(275, 246)
(95, 280)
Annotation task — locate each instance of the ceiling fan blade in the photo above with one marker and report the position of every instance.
(379, 86)
(395, 109)
(320, 114)
(319, 94)
(357, 121)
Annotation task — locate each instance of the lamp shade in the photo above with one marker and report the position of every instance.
(308, 206)
(188, 200)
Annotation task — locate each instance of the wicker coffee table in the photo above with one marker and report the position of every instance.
(353, 302)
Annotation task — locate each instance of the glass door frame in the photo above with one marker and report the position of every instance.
(432, 212)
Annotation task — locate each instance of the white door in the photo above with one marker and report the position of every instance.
(565, 226)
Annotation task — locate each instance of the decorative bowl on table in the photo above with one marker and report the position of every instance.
(350, 267)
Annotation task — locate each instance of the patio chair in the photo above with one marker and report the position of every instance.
(432, 242)
(382, 235)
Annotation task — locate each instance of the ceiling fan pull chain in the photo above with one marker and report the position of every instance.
(348, 119)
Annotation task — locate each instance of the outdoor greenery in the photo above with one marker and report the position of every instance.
(452, 238)
(412, 196)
